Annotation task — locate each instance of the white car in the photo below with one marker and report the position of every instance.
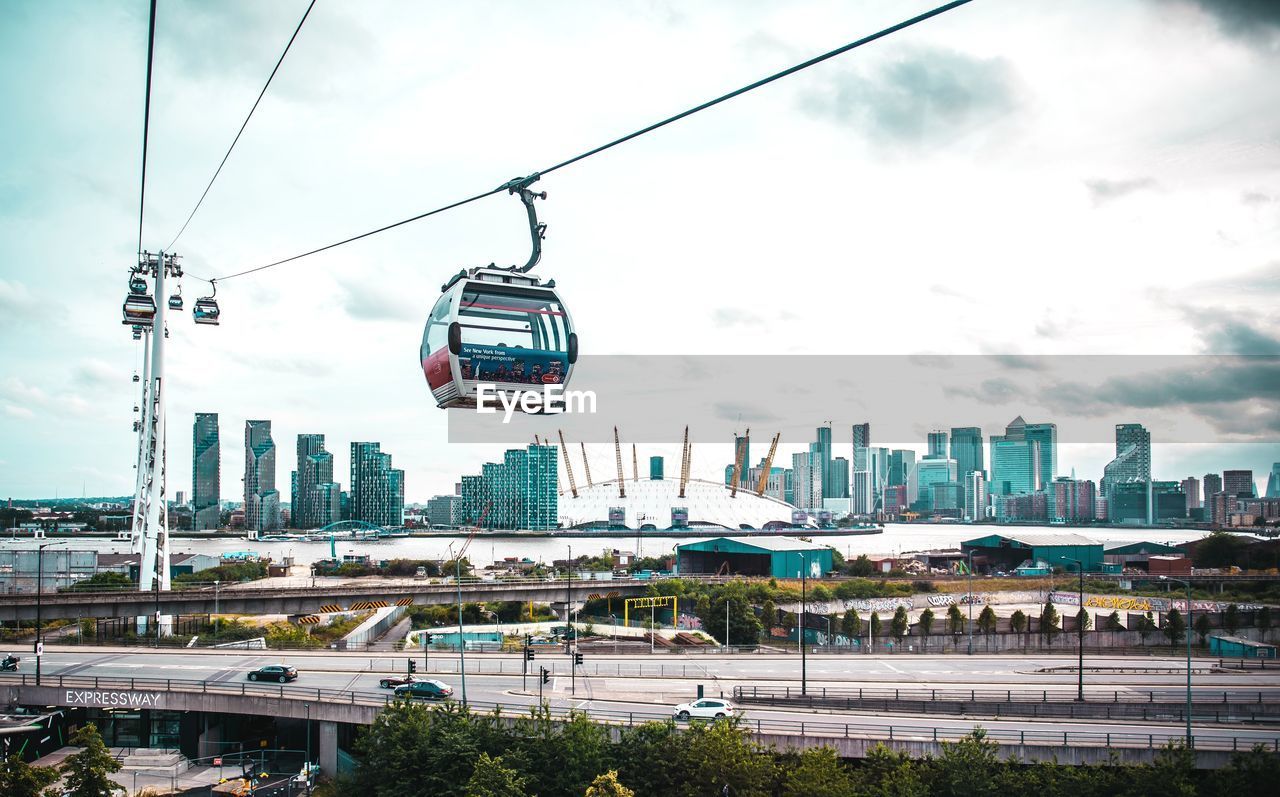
(707, 708)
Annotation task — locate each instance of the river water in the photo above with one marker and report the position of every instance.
(896, 539)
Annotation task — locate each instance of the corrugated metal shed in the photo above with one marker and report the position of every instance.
(780, 557)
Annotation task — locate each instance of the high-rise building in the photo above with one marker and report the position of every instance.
(895, 499)
(377, 489)
(444, 510)
(1074, 500)
(806, 479)
(902, 465)
(1212, 484)
(1238, 483)
(947, 498)
(1220, 505)
(206, 472)
(315, 467)
(1017, 458)
(967, 450)
(517, 493)
(975, 496)
(1273, 482)
(930, 472)
(862, 500)
(861, 442)
(937, 445)
(1168, 501)
(1046, 436)
(840, 478)
(831, 486)
(1137, 466)
(261, 499)
(1191, 487)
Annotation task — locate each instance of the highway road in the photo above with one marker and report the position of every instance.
(669, 679)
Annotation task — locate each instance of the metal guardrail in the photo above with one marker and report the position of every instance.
(1201, 696)
(831, 730)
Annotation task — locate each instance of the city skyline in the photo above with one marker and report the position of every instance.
(1121, 164)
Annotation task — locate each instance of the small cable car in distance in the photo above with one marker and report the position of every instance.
(499, 326)
(175, 300)
(205, 310)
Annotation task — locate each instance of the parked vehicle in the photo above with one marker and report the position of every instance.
(274, 672)
(425, 689)
(707, 708)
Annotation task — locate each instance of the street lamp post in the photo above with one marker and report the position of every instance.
(216, 582)
(1079, 627)
(1187, 584)
(39, 593)
(804, 596)
(970, 602)
(307, 706)
(462, 642)
(726, 623)
(615, 633)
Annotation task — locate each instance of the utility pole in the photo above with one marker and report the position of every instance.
(804, 597)
(970, 602)
(462, 642)
(39, 647)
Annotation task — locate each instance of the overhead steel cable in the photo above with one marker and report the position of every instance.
(242, 126)
(942, 9)
(146, 120)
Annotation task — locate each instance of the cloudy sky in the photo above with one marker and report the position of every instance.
(1029, 178)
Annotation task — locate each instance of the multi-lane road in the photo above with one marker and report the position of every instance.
(645, 687)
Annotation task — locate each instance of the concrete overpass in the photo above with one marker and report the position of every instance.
(246, 599)
(1032, 742)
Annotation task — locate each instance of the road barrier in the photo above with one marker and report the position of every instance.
(1203, 740)
(1218, 707)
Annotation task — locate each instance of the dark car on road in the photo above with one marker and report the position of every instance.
(274, 672)
(425, 690)
(397, 680)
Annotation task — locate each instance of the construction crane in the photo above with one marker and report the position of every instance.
(684, 462)
(622, 478)
(484, 513)
(568, 467)
(585, 464)
(768, 465)
(739, 461)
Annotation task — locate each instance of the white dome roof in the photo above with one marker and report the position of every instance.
(649, 502)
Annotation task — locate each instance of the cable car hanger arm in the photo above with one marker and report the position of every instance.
(537, 230)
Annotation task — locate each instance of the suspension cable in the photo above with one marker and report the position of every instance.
(242, 127)
(146, 120)
(642, 131)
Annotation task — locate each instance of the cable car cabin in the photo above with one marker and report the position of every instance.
(175, 302)
(137, 335)
(500, 327)
(137, 284)
(139, 309)
(205, 311)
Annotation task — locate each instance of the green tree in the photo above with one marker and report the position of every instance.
(851, 624)
(87, 771)
(987, 621)
(1231, 619)
(885, 773)
(818, 773)
(1018, 622)
(1263, 621)
(861, 567)
(1172, 773)
(1219, 549)
(106, 581)
(1174, 626)
(968, 768)
(1146, 627)
(1202, 627)
(607, 785)
(412, 750)
(900, 624)
(876, 625)
(20, 779)
(1049, 626)
(768, 616)
(1114, 623)
(561, 758)
(1084, 619)
(955, 619)
(491, 779)
(926, 626)
(721, 754)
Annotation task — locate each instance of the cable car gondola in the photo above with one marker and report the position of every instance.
(205, 310)
(137, 284)
(139, 309)
(137, 335)
(499, 326)
(175, 300)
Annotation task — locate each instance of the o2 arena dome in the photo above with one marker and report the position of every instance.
(656, 504)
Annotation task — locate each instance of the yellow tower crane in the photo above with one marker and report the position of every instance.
(768, 465)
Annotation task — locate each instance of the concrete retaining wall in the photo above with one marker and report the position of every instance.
(373, 628)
